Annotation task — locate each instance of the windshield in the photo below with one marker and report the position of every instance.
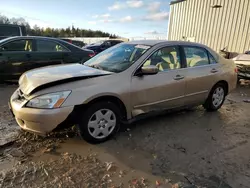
(117, 58)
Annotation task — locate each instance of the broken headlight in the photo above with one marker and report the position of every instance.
(51, 100)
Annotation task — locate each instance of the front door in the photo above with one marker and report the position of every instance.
(14, 57)
(164, 90)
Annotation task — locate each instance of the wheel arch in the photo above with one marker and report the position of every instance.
(108, 98)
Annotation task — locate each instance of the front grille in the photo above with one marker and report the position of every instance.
(243, 68)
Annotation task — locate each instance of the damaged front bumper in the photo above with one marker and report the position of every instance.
(243, 71)
(39, 121)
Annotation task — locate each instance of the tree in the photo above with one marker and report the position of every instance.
(51, 32)
(4, 20)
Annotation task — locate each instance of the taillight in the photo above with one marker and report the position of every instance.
(236, 70)
(92, 54)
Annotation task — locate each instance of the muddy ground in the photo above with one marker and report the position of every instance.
(191, 148)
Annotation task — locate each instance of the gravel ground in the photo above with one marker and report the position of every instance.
(194, 147)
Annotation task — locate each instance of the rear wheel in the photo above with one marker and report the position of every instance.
(100, 122)
(216, 97)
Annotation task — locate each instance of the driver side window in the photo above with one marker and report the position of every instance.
(167, 58)
(18, 45)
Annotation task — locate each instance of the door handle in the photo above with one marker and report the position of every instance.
(178, 77)
(214, 70)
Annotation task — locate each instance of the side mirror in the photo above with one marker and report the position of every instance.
(148, 70)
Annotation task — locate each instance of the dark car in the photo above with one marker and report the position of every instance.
(20, 54)
(102, 45)
(9, 30)
(75, 42)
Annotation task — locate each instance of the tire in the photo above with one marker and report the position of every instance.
(216, 97)
(100, 122)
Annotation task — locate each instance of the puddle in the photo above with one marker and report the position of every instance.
(121, 173)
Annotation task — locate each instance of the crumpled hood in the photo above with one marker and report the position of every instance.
(242, 57)
(52, 75)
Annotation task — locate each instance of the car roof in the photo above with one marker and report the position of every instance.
(11, 25)
(167, 42)
(33, 37)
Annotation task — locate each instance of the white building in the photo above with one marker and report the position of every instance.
(216, 23)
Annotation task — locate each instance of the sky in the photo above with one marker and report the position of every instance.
(126, 18)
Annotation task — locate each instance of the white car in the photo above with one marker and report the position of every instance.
(242, 62)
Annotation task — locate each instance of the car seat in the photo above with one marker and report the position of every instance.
(147, 63)
(197, 62)
(198, 59)
(163, 66)
(167, 60)
(28, 46)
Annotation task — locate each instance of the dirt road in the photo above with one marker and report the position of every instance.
(193, 148)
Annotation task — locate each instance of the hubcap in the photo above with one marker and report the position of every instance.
(218, 96)
(102, 123)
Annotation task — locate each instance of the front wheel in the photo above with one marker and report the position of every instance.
(216, 98)
(100, 122)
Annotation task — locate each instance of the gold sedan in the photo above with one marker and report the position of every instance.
(121, 84)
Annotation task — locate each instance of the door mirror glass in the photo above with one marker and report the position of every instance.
(149, 70)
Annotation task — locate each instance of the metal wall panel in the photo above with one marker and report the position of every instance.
(227, 26)
(223, 24)
(242, 31)
(218, 28)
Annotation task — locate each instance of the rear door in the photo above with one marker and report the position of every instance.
(201, 72)
(48, 52)
(15, 56)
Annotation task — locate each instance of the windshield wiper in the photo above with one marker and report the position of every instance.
(95, 67)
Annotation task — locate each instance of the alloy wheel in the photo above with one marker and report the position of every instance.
(102, 123)
(218, 96)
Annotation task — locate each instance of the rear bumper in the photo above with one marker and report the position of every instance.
(39, 121)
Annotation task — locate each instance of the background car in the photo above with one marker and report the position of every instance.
(20, 54)
(75, 42)
(102, 45)
(122, 84)
(242, 62)
(9, 30)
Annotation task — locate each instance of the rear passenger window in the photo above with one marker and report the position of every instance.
(196, 56)
(49, 46)
(167, 58)
(18, 45)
